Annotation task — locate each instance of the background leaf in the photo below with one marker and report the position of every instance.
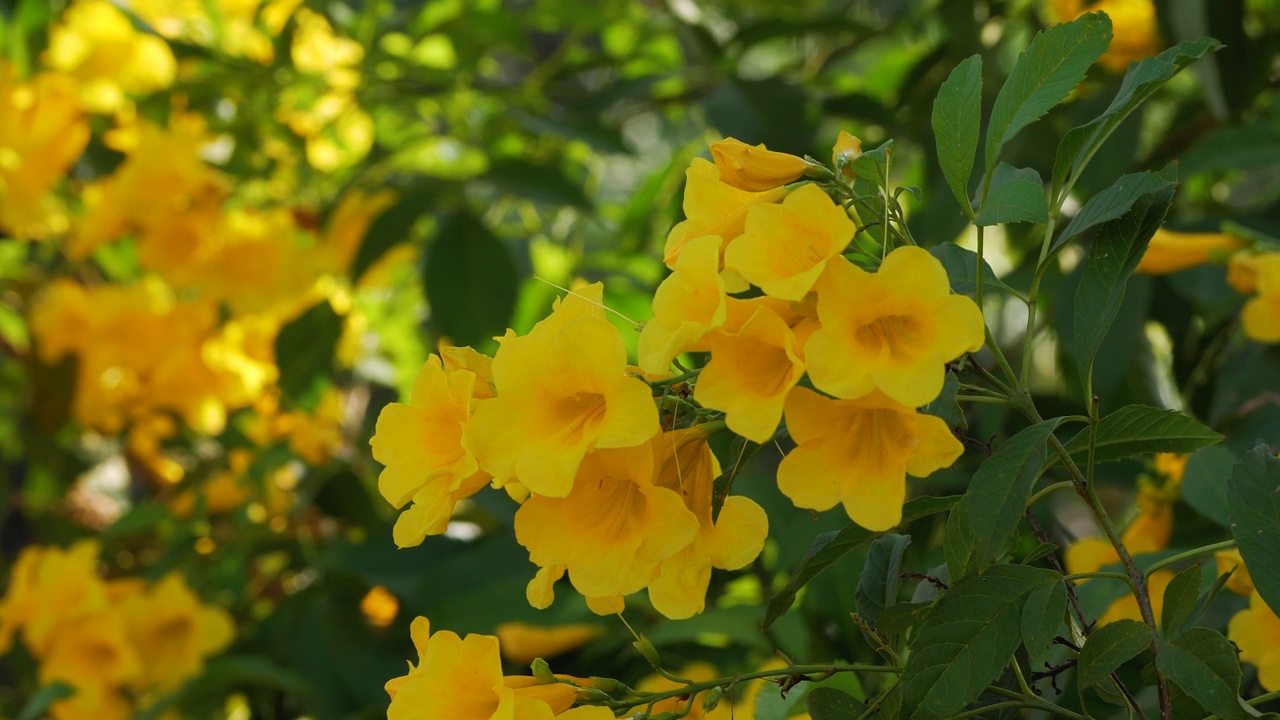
(1203, 663)
(470, 281)
(1180, 600)
(1205, 479)
(878, 583)
(1253, 498)
(304, 353)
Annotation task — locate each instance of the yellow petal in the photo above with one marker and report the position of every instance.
(750, 373)
(755, 169)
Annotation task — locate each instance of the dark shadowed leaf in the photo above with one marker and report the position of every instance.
(1205, 479)
(470, 281)
(879, 582)
(1203, 663)
(304, 353)
(1253, 497)
(1109, 647)
(1042, 616)
(1180, 601)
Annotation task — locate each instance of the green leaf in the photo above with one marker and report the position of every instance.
(997, 496)
(962, 269)
(140, 518)
(967, 640)
(394, 226)
(1203, 663)
(1117, 247)
(1141, 429)
(38, 704)
(1116, 200)
(957, 113)
(1205, 480)
(1044, 549)
(225, 673)
(304, 354)
(1042, 616)
(832, 704)
(540, 183)
(830, 547)
(901, 616)
(878, 583)
(1140, 82)
(1109, 647)
(873, 165)
(1045, 73)
(1253, 498)
(470, 281)
(1016, 195)
(945, 406)
(1180, 600)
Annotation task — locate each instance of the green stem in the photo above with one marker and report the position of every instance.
(1034, 702)
(977, 293)
(675, 379)
(1064, 485)
(988, 399)
(692, 689)
(1112, 575)
(1188, 555)
(1006, 705)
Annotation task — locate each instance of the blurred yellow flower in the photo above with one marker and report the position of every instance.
(96, 43)
(785, 248)
(1256, 631)
(892, 331)
(230, 25)
(1242, 272)
(687, 305)
(1135, 34)
(858, 453)
(1240, 582)
(750, 373)
(48, 587)
(562, 390)
(174, 632)
(612, 529)
(1171, 251)
(697, 672)
(1261, 314)
(521, 642)
(1126, 608)
(421, 445)
(379, 607)
(755, 168)
(683, 462)
(42, 132)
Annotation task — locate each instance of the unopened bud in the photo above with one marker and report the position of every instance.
(645, 647)
(542, 672)
(606, 685)
(754, 168)
(712, 698)
(848, 148)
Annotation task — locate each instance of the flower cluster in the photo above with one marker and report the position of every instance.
(615, 484)
(116, 642)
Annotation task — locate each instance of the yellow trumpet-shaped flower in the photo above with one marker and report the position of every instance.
(891, 331)
(712, 207)
(48, 588)
(1126, 608)
(1169, 251)
(690, 303)
(421, 445)
(174, 632)
(612, 529)
(1261, 315)
(1242, 271)
(42, 132)
(1256, 631)
(750, 373)
(858, 452)
(684, 463)
(465, 358)
(461, 679)
(562, 390)
(753, 167)
(847, 149)
(785, 248)
(94, 652)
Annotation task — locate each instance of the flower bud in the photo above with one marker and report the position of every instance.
(712, 698)
(753, 168)
(848, 148)
(650, 653)
(542, 671)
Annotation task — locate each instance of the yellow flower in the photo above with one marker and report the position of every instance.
(1256, 631)
(318, 50)
(786, 247)
(93, 703)
(349, 223)
(96, 43)
(684, 463)
(465, 358)
(229, 25)
(1242, 271)
(1171, 251)
(421, 445)
(1148, 532)
(712, 207)
(891, 331)
(521, 642)
(612, 529)
(1171, 466)
(1261, 315)
(858, 453)
(48, 588)
(42, 132)
(461, 679)
(174, 632)
(562, 390)
(847, 149)
(1135, 34)
(93, 651)
(755, 169)
(687, 305)
(1240, 582)
(750, 373)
